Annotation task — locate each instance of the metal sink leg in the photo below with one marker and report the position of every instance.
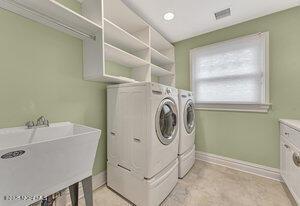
(74, 194)
(88, 191)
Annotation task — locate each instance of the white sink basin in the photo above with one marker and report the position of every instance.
(41, 161)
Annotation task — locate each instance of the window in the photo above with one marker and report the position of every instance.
(232, 75)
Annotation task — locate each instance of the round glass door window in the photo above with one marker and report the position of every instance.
(166, 121)
(189, 117)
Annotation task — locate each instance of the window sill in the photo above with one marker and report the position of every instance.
(256, 108)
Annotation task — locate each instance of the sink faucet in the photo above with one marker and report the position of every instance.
(40, 122)
(29, 124)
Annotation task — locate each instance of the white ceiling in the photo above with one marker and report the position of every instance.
(194, 17)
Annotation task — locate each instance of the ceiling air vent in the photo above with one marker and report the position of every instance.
(222, 14)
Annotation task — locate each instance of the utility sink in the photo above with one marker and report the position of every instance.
(38, 162)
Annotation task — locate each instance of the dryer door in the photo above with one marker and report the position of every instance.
(166, 124)
(189, 117)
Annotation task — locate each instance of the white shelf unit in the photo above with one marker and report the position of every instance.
(129, 33)
(110, 31)
(60, 17)
(162, 58)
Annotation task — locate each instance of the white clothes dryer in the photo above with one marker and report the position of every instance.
(186, 149)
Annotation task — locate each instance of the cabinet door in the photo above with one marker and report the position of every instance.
(283, 156)
(289, 165)
(294, 172)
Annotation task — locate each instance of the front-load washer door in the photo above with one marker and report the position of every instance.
(166, 121)
(189, 117)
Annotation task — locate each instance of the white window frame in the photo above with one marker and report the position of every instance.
(234, 106)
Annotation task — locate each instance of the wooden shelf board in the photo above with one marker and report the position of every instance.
(158, 58)
(118, 79)
(119, 13)
(111, 79)
(124, 58)
(120, 38)
(158, 71)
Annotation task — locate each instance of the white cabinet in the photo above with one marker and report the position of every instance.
(290, 156)
(293, 170)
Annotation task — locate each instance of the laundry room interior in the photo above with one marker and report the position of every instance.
(147, 103)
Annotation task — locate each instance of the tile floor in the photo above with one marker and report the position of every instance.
(212, 185)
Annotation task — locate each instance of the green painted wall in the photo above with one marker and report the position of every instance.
(41, 74)
(251, 137)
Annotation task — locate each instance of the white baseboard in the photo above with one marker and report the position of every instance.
(98, 181)
(248, 167)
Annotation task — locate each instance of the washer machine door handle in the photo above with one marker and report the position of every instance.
(174, 119)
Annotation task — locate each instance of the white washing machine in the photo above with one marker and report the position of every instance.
(142, 143)
(186, 149)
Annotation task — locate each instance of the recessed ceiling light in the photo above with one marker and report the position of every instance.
(169, 16)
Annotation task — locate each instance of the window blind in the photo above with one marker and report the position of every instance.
(230, 72)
